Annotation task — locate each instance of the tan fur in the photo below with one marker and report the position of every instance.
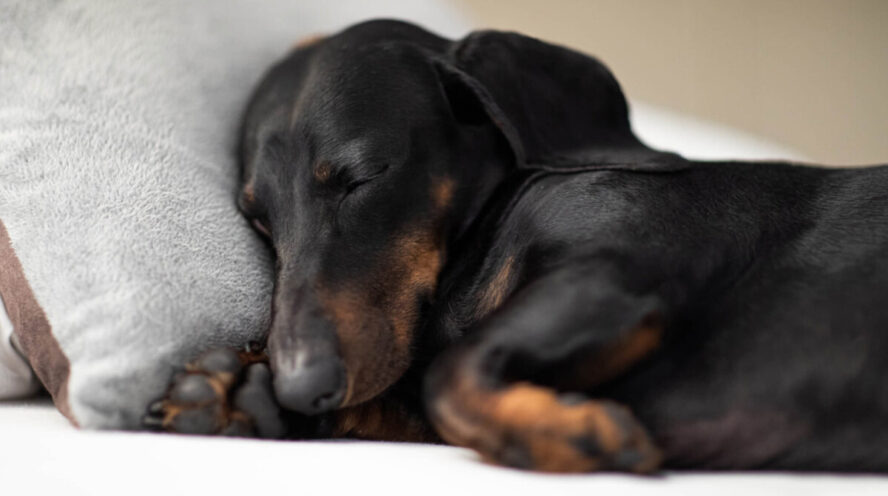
(442, 194)
(375, 318)
(616, 358)
(383, 420)
(493, 295)
(322, 172)
(544, 429)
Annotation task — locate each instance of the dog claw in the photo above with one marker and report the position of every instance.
(152, 422)
(516, 456)
(237, 428)
(628, 460)
(156, 408)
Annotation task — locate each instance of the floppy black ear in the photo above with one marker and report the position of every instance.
(559, 109)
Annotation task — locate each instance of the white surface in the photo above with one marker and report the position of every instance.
(41, 454)
(695, 138)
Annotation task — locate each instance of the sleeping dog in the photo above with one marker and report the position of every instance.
(472, 246)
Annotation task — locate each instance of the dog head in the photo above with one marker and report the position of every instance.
(365, 154)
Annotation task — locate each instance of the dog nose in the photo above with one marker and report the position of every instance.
(313, 388)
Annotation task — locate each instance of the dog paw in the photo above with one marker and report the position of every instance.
(530, 427)
(223, 392)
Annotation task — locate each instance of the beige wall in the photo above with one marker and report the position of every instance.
(812, 74)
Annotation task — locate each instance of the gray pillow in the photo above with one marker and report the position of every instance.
(121, 251)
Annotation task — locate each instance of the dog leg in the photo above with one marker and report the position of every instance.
(223, 392)
(502, 392)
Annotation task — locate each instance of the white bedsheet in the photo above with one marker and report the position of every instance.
(41, 454)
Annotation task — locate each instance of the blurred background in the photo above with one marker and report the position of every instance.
(811, 74)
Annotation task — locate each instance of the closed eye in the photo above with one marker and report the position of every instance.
(357, 183)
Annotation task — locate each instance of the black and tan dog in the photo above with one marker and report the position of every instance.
(471, 242)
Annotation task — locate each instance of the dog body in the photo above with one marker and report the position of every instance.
(771, 276)
(469, 232)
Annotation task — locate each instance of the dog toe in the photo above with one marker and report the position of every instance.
(238, 428)
(222, 360)
(194, 389)
(204, 420)
(223, 392)
(153, 418)
(155, 409)
(256, 398)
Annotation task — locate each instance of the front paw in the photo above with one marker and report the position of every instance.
(531, 427)
(223, 392)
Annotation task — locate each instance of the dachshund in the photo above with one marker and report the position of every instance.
(473, 246)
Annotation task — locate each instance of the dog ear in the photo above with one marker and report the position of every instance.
(560, 110)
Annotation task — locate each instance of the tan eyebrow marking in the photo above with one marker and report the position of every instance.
(323, 171)
(442, 194)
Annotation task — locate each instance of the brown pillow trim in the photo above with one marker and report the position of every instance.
(31, 329)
